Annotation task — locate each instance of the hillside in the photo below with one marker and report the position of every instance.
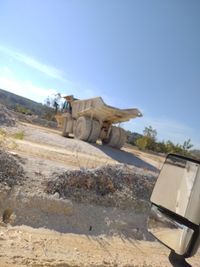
(13, 101)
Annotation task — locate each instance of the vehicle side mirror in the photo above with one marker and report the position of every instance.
(175, 211)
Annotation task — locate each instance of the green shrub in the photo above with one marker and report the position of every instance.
(19, 135)
(149, 142)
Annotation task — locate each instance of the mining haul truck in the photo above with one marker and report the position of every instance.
(91, 119)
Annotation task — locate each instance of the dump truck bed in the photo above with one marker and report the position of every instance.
(114, 115)
(97, 109)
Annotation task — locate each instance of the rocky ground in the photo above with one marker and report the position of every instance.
(7, 117)
(11, 171)
(68, 203)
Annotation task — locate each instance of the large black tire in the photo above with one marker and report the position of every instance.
(83, 128)
(122, 139)
(117, 138)
(95, 131)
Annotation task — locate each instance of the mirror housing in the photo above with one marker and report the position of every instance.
(175, 205)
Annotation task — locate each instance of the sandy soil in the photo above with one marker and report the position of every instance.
(25, 246)
(42, 152)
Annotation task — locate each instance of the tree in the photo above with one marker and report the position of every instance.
(145, 143)
(150, 132)
(53, 101)
(187, 145)
(53, 105)
(142, 143)
(160, 147)
(148, 141)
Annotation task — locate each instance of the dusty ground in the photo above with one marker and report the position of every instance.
(25, 246)
(43, 151)
(48, 144)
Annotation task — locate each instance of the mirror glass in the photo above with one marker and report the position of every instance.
(173, 234)
(177, 188)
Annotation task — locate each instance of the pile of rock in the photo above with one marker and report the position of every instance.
(113, 185)
(11, 171)
(7, 117)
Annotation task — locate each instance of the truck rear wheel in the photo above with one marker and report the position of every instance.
(64, 132)
(83, 128)
(117, 138)
(95, 131)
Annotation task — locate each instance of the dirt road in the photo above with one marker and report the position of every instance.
(49, 144)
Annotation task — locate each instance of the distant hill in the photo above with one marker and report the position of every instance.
(16, 102)
(132, 137)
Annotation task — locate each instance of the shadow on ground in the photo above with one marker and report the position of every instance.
(125, 157)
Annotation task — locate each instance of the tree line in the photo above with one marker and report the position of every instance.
(148, 142)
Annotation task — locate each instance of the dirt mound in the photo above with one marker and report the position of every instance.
(6, 116)
(118, 186)
(11, 171)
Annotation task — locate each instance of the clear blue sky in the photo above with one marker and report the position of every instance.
(143, 54)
